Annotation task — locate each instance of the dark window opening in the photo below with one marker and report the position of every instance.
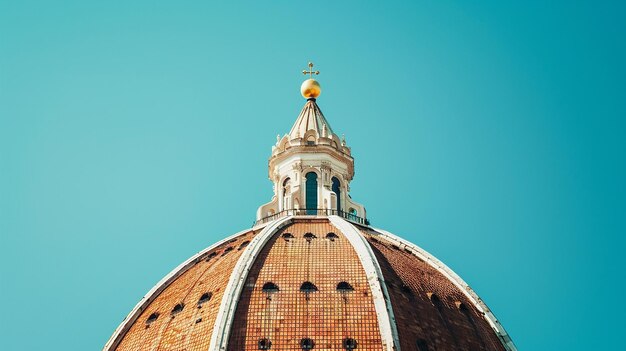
(349, 344)
(352, 214)
(406, 289)
(287, 236)
(178, 308)
(331, 236)
(153, 317)
(421, 345)
(286, 191)
(344, 287)
(210, 256)
(265, 344)
(307, 344)
(309, 236)
(270, 287)
(204, 298)
(408, 251)
(435, 300)
(311, 193)
(243, 244)
(227, 250)
(336, 188)
(308, 287)
(198, 320)
(395, 247)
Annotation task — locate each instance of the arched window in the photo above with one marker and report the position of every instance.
(227, 250)
(331, 236)
(243, 244)
(344, 287)
(265, 344)
(270, 287)
(286, 191)
(308, 287)
(435, 300)
(311, 193)
(210, 256)
(178, 308)
(352, 214)
(204, 298)
(153, 317)
(337, 190)
(421, 345)
(307, 344)
(349, 344)
(309, 236)
(406, 289)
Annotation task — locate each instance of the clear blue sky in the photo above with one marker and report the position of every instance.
(134, 134)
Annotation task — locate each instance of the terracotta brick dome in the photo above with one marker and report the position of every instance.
(311, 273)
(299, 283)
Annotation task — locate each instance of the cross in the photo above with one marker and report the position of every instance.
(310, 71)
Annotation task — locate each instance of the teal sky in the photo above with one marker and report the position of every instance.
(134, 134)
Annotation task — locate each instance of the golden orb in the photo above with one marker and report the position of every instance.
(310, 88)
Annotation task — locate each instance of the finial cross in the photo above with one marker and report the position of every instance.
(311, 72)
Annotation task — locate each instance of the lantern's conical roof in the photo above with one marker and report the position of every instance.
(310, 118)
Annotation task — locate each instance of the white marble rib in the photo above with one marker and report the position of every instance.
(382, 302)
(228, 306)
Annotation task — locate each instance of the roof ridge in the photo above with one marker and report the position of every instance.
(310, 118)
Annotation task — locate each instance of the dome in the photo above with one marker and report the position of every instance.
(311, 273)
(370, 287)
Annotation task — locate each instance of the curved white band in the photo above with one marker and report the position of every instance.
(226, 313)
(382, 302)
